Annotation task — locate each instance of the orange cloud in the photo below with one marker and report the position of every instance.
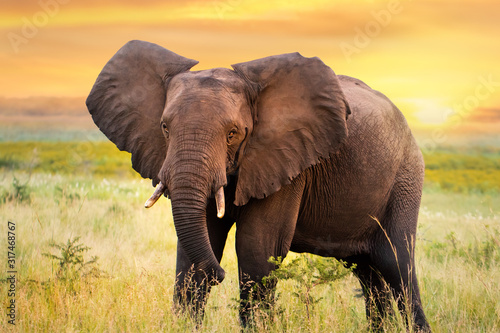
(425, 55)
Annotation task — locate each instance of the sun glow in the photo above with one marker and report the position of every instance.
(431, 113)
(428, 112)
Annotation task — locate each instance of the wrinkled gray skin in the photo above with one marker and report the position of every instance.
(307, 159)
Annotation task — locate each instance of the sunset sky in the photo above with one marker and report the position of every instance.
(438, 60)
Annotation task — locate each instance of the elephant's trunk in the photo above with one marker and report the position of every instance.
(191, 227)
(193, 175)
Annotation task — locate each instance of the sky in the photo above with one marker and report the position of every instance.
(437, 60)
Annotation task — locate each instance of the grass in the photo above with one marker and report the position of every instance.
(87, 158)
(469, 172)
(458, 256)
(448, 169)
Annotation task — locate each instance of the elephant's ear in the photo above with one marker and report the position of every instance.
(127, 101)
(300, 118)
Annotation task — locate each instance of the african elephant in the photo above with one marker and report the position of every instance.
(299, 158)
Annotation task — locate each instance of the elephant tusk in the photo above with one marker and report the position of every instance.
(220, 201)
(160, 189)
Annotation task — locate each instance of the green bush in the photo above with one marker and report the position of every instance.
(71, 262)
(308, 272)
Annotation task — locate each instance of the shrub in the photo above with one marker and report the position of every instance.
(308, 272)
(71, 262)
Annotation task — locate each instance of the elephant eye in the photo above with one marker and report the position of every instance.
(231, 135)
(165, 129)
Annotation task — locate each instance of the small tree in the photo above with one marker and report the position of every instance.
(308, 272)
(72, 265)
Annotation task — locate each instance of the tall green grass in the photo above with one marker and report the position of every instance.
(476, 171)
(90, 158)
(449, 170)
(458, 258)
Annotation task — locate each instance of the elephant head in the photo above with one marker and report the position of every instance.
(265, 121)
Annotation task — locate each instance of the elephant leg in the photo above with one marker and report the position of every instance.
(192, 288)
(395, 263)
(394, 254)
(265, 229)
(375, 291)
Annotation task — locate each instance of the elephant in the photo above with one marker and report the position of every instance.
(299, 158)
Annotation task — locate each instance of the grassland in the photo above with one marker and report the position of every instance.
(57, 191)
